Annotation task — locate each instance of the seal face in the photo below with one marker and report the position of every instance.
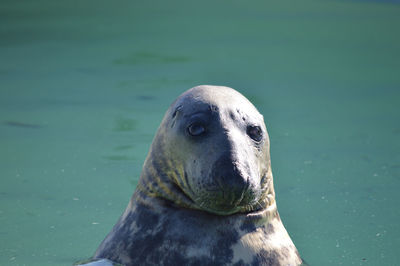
(205, 195)
(218, 140)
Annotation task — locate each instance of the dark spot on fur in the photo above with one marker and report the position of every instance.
(146, 219)
(197, 262)
(239, 263)
(232, 115)
(266, 258)
(174, 258)
(143, 247)
(270, 229)
(221, 251)
(285, 252)
(248, 227)
(214, 108)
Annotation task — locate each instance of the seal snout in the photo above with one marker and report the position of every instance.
(232, 181)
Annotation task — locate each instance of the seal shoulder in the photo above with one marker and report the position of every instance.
(169, 236)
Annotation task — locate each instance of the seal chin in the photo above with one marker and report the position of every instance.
(247, 203)
(221, 209)
(226, 209)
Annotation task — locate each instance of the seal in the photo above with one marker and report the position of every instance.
(205, 195)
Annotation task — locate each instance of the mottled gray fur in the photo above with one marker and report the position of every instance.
(205, 195)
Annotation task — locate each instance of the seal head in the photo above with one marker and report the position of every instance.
(211, 153)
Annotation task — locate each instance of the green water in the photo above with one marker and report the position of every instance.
(84, 85)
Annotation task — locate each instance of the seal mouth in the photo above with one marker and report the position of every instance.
(221, 203)
(252, 198)
(227, 209)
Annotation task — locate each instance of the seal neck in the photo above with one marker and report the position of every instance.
(159, 179)
(160, 205)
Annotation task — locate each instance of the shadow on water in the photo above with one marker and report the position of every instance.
(125, 124)
(123, 147)
(22, 124)
(150, 58)
(145, 97)
(117, 157)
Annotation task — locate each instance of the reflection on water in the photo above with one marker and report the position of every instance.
(84, 86)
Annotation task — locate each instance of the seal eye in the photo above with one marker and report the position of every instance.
(196, 129)
(255, 133)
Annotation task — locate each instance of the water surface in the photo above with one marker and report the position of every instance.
(84, 86)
